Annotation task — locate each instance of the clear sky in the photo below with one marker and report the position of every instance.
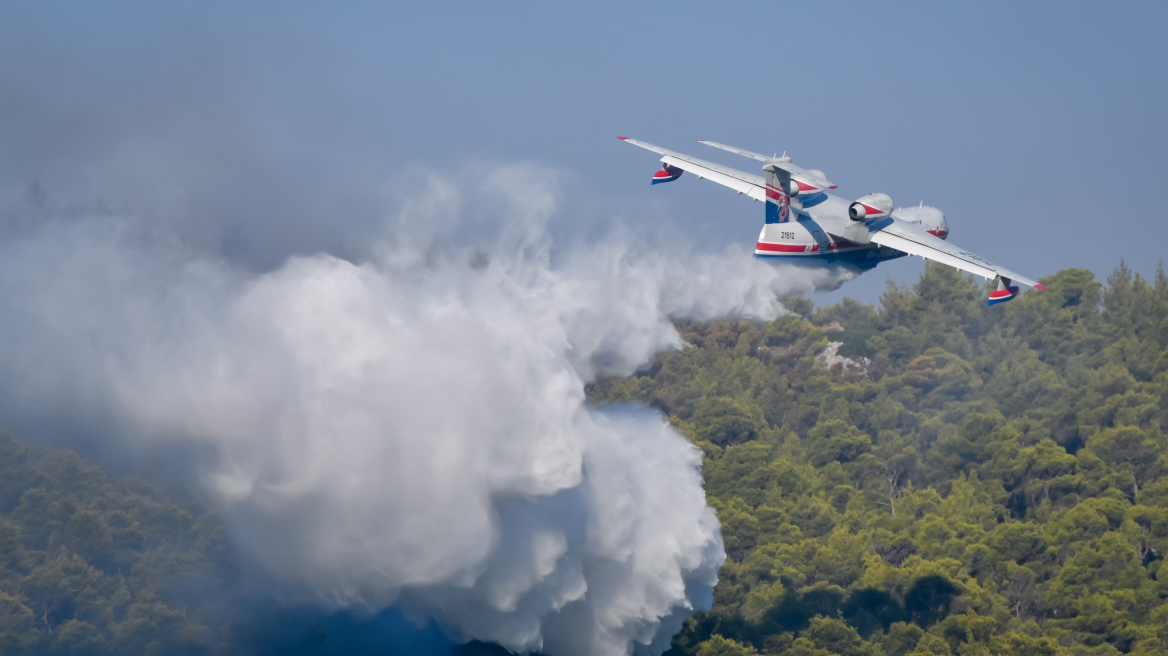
(1038, 128)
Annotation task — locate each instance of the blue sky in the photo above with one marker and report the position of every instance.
(1038, 129)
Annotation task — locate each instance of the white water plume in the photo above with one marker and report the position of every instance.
(409, 430)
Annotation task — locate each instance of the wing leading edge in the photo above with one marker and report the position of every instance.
(915, 241)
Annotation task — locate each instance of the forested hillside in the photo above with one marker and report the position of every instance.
(950, 478)
(930, 476)
(89, 567)
(93, 567)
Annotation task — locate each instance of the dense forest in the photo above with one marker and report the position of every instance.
(929, 476)
(932, 476)
(90, 567)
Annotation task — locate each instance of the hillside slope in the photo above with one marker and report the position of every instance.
(933, 476)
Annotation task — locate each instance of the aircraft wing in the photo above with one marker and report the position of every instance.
(813, 181)
(744, 183)
(909, 238)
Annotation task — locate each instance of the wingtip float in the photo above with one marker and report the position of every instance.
(804, 222)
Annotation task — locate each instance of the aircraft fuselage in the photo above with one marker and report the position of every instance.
(816, 225)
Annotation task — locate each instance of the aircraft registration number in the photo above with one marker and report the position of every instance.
(788, 235)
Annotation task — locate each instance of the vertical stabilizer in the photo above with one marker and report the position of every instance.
(778, 206)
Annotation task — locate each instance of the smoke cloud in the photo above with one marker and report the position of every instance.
(407, 429)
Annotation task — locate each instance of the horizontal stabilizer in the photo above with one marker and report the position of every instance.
(736, 151)
(810, 181)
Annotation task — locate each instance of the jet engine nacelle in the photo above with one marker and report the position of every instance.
(930, 219)
(872, 206)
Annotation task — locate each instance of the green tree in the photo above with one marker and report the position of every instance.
(719, 646)
(1128, 448)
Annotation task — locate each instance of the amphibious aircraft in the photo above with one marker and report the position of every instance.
(805, 222)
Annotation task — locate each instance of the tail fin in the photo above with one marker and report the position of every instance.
(778, 206)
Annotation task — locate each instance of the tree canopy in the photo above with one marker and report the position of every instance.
(926, 476)
(932, 475)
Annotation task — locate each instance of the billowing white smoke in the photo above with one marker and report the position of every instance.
(410, 430)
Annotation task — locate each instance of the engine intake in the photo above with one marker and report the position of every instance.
(872, 206)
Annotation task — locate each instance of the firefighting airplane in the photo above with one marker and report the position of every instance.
(806, 223)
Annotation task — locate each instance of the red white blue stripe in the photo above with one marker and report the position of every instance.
(667, 174)
(1003, 293)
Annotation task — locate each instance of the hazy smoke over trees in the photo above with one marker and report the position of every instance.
(408, 429)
